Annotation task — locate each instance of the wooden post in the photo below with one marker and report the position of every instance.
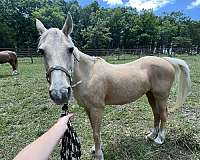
(30, 55)
(196, 50)
(118, 54)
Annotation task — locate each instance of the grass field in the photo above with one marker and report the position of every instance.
(26, 112)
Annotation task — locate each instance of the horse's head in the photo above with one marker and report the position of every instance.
(57, 48)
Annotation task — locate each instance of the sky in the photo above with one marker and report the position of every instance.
(190, 8)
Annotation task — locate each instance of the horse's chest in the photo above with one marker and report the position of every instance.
(81, 95)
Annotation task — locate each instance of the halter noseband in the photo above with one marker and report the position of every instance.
(58, 68)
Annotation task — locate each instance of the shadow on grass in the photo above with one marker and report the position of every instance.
(6, 76)
(138, 148)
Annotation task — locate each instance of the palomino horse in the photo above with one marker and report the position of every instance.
(97, 83)
(10, 57)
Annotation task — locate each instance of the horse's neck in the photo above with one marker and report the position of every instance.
(83, 67)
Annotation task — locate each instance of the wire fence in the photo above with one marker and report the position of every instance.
(115, 54)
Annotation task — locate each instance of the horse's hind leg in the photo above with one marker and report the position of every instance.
(163, 117)
(155, 109)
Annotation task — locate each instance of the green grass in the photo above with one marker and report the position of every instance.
(26, 112)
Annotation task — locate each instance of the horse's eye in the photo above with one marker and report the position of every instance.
(71, 49)
(40, 51)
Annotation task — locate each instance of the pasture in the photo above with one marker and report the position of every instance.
(26, 112)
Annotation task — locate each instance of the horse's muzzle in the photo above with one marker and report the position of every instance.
(60, 96)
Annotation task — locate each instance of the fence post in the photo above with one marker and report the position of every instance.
(140, 54)
(118, 54)
(30, 55)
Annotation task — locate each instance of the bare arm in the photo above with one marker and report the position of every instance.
(42, 147)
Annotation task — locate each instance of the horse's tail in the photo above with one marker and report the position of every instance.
(183, 76)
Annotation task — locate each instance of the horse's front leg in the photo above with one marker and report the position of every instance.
(14, 72)
(95, 116)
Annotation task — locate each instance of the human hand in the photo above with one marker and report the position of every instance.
(65, 119)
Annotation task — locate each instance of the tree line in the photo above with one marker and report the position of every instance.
(96, 27)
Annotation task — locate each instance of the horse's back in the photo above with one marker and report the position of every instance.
(6, 56)
(150, 65)
(7, 52)
(128, 82)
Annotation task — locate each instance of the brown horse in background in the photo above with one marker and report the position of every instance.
(9, 57)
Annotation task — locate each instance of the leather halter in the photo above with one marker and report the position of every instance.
(58, 68)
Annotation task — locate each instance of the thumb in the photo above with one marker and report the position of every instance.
(65, 119)
(69, 116)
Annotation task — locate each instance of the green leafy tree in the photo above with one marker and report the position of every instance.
(149, 28)
(97, 35)
(194, 28)
(95, 26)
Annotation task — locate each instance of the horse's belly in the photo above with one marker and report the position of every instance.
(123, 96)
(119, 100)
(4, 59)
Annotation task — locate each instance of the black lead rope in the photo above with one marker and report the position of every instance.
(71, 148)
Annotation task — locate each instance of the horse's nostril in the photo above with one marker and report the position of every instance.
(51, 93)
(60, 96)
(66, 92)
(55, 95)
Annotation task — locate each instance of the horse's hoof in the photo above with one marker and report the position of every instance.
(158, 141)
(14, 73)
(92, 150)
(97, 157)
(150, 137)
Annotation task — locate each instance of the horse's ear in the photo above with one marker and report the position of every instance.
(68, 26)
(40, 27)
